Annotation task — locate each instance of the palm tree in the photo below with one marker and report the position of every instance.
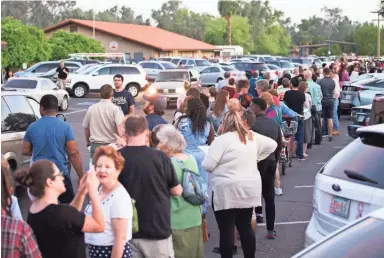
(227, 9)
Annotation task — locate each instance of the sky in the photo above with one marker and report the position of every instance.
(295, 9)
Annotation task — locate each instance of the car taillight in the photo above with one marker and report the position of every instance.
(146, 76)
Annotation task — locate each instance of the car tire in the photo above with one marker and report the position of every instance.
(219, 79)
(64, 104)
(79, 91)
(133, 88)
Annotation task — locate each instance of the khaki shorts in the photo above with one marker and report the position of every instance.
(188, 242)
(146, 248)
(61, 83)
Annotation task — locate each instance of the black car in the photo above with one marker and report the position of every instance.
(250, 67)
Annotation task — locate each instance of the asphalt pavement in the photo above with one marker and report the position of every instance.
(293, 208)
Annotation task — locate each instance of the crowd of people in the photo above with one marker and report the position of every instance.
(139, 203)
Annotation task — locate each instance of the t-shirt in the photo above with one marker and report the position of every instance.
(252, 87)
(155, 119)
(148, 175)
(327, 87)
(102, 119)
(62, 75)
(48, 137)
(124, 100)
(58, 230)
(183, 214)
(231, 91)
(295, 99)
(117, 204)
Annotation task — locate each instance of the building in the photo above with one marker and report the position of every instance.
(227, 51)
(136, 41)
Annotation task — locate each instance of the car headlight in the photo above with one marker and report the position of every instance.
(152, 90)
(180, 90)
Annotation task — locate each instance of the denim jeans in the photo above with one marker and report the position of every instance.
(299, 138)
(335, 115)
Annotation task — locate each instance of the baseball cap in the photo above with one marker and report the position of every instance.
(158, 101)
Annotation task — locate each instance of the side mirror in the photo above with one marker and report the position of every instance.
(62, 117)
(193, 79)
(95, 74)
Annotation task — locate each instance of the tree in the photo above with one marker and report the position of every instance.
(25, 44)
(366, 38)
(323, 51)
(274, 41)
(64, 43)
(381, 6)
(227, 9)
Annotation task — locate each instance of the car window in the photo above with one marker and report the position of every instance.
(104, 71)
(202, 63)
(240, 66)
(297, 60)
(207, 70)
(356, 241)
(257, 67)
(191, 62)
(157, 66)
(21, 115)
(6, 118)
(44, 85)
(215, 70)
(147, 65)
(379, 84)
(184, 61)
(43, 68)
(72, 64)
(21, 84)
(172, 76)
(175, 61)
(128, 70)
(367, 156)
(169, 65)
(227, 69)
(286, 65)
(35, 106)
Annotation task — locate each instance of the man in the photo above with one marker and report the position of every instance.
(150, 179)
(281, 90)
(295, 99)
(103, 121)
(154, 109)
(263, 86)
(317, 96)
(224, 82)
(52, 139)
(267, 168)
(62, 74)
(327, 85)
(121, 97)
(295, 72)
(252, 84)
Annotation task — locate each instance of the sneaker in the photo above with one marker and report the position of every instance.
(301, 159)
(259, 218)
(216, 250)
(330, 138)
(271, 235)
(305, 155)
(278, 191)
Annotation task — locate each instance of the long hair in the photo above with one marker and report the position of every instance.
(232, 123)
(6, 186)
(197, 113)
(221, 101)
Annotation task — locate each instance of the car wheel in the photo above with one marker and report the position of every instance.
(79, 91)
(219, 79)
(134, 89)
(64, 104)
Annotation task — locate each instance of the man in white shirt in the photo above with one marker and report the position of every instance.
(221, 84)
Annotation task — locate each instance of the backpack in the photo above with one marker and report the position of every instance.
(195, 189)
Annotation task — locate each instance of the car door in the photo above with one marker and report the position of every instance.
(100, 77)
(214, 75)
(47, 89)
(157, 69)
(149, 69)
(204, 75)
(22, 115)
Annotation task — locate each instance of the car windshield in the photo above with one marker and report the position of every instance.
(172, 76)
(89, 69)
(168, 59)
(20, 84)
(269, 58)
(287, 65)
(228, 68)
(168, 65)
(175, 61)
(202, 63)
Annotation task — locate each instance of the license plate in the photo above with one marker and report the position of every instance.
(348, 97)
(340, 206)
(172, 91)
(360, 119)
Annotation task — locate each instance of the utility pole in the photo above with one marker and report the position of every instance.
(378, 32)
(93, 22)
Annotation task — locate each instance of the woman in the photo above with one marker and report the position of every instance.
(59, 228)
(8, 75)
(236, 182)
(118, 212)
(231, 88)
(197, 131)
(303, 87)
(17, 238)
(218, 108)
(244, 97)
(273, 111)
(186, 218)
(343, 75)
(181, 111)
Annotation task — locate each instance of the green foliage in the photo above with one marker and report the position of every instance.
(274, 41)
(229, 8)
(366, 38)
(25, 44)
(323, 51)
(64, 43)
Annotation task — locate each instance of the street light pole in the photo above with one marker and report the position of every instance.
(93, 23)
(378, 32)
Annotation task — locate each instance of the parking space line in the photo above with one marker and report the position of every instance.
(74, 112)
(303, 186)
(338, 147)
(286, 223)
(321, 163)
(75, 108)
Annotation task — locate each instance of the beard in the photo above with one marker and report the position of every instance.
(146, 109)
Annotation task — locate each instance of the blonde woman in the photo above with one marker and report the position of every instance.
(236, 182)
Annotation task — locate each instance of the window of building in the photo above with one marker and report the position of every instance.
(73, 28)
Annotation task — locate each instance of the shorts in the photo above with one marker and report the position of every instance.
(327, 112)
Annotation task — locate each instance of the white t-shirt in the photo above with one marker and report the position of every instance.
(117, 204)
(307, 106)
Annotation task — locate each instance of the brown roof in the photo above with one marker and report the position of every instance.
(147, 35)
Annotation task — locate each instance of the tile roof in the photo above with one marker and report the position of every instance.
(147, 35)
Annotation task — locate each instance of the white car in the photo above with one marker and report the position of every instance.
(135, 79)
(276, 70)
(153, 68)
(362, 238)
(214, 74)
(348, 186)
(37, 88)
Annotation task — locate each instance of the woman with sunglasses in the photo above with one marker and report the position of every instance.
(59, 228)
(116, 206)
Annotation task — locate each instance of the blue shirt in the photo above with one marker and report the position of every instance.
(48, 137)
(252, 87)
(155, 119)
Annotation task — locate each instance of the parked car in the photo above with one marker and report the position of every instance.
(135, 79)
(299, 61)
(84, 61)
(153, 68)
(200, 64)
(275, 69)
(250, 67)
(349, 186)
(214, 74)
(263, 58)
(174, 83)
(37, 88)
(283, 64)
(86, 68)
(362, 238)
(362, 92)
(43, 67)
(18, 111)
(52, 74)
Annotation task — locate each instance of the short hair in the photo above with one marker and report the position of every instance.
(323, 65)
(194, 92)
(308, 75)
(227, 75)
(118, 76)
(273, 92)
(260, 103)
(231, 81)
(255, 74)
(249, 116)
(303, 86)
(171, 138)
(243, 84)
(266, 76)
(212, 91)
(106, 91)
(112, 153)
(263, 85)
(49, 102)
(326, 71)
(135, 125)
(153, 140)
(267, 97)
(295, 82)
(286, 83)
(331, 66)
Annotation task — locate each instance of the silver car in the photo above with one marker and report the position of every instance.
(214, 74)
(153, 68)
(199, 64)
(43, 67)
(37, 88)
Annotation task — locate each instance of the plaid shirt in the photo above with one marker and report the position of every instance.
(17, 239)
